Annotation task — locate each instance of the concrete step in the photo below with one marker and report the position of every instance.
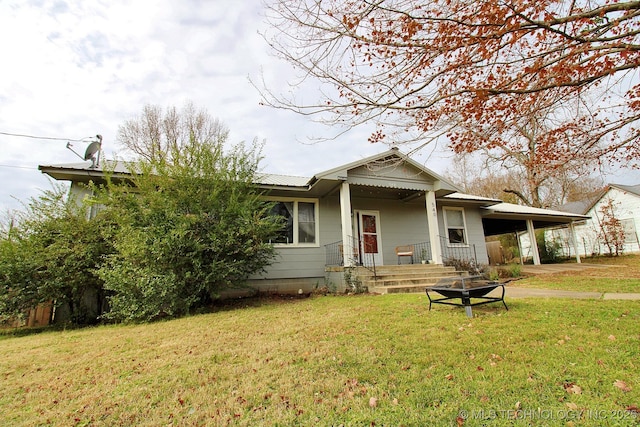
(398, 289)
(404, 278)
(402, 270)
(414, 275)
(416, 281)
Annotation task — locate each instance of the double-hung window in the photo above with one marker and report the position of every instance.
(629, 227)
(455, 224)
(300, 222)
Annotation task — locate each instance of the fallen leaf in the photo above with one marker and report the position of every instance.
(572, 388)
(460, 421)
(449, 377)
(395, 401)
(479, 368)
(373, 402)
(612, 337)
(633, 408)
(572, 406)
(518, 405)
(622, 385)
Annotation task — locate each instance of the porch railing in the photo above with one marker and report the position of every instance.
(463, 257)
(421, 251)
(452, 254)
(335, 252)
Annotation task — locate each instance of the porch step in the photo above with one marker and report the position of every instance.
(404, 278)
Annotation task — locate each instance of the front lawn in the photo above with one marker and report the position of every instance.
(360, 360)
(621, 274)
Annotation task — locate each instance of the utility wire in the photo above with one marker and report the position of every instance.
(18, 167)
(44, 137)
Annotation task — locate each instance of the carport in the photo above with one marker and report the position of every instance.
(503, 218)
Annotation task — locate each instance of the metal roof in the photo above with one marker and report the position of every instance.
(635, 189)
(282, 180)
(472, 198)
(510, 208)
(508, 217)
(584, 206)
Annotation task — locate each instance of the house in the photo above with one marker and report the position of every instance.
(623, 202)
(358, 215)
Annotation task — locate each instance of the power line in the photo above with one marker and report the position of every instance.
(18, 167)
(44, 137)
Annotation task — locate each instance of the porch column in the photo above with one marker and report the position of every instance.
(533, 242)
(434, 234)
(347, 226)
(574, 240)
(520, 248)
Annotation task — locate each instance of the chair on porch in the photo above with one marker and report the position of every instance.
(406, 250)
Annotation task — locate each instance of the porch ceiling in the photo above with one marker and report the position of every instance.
(366, 192)
(497, 226)
(327, 187)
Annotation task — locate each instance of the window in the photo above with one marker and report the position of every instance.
(300, 222)
(455, 225)
(630, 235)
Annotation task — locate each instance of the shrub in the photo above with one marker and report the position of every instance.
(53, 254)
(515, 270)
(191, 229)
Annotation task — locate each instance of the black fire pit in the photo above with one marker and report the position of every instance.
(466, 289)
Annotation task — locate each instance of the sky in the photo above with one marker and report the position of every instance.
(75, 69)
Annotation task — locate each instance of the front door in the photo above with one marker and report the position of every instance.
(369, 238)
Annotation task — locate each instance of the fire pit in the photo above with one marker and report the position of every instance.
(465, 288)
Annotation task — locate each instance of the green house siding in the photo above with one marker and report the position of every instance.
(474, 232)
(400, 224)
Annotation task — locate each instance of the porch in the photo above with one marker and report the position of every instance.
(389, 279)
(361, 252)
(412, 271)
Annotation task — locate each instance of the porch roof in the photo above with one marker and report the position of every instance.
(393, 171)
(83, 172)
(388, 175)
(504, 218)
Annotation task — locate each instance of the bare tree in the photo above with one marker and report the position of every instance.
(477, 173)
(158, 135)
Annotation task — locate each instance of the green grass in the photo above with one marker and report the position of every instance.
(568, 282)
(622, 274)
(335, 360)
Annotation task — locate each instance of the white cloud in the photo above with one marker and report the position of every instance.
(75, 69)
(78, 68)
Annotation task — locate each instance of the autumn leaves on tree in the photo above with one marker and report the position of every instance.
(561, 74)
